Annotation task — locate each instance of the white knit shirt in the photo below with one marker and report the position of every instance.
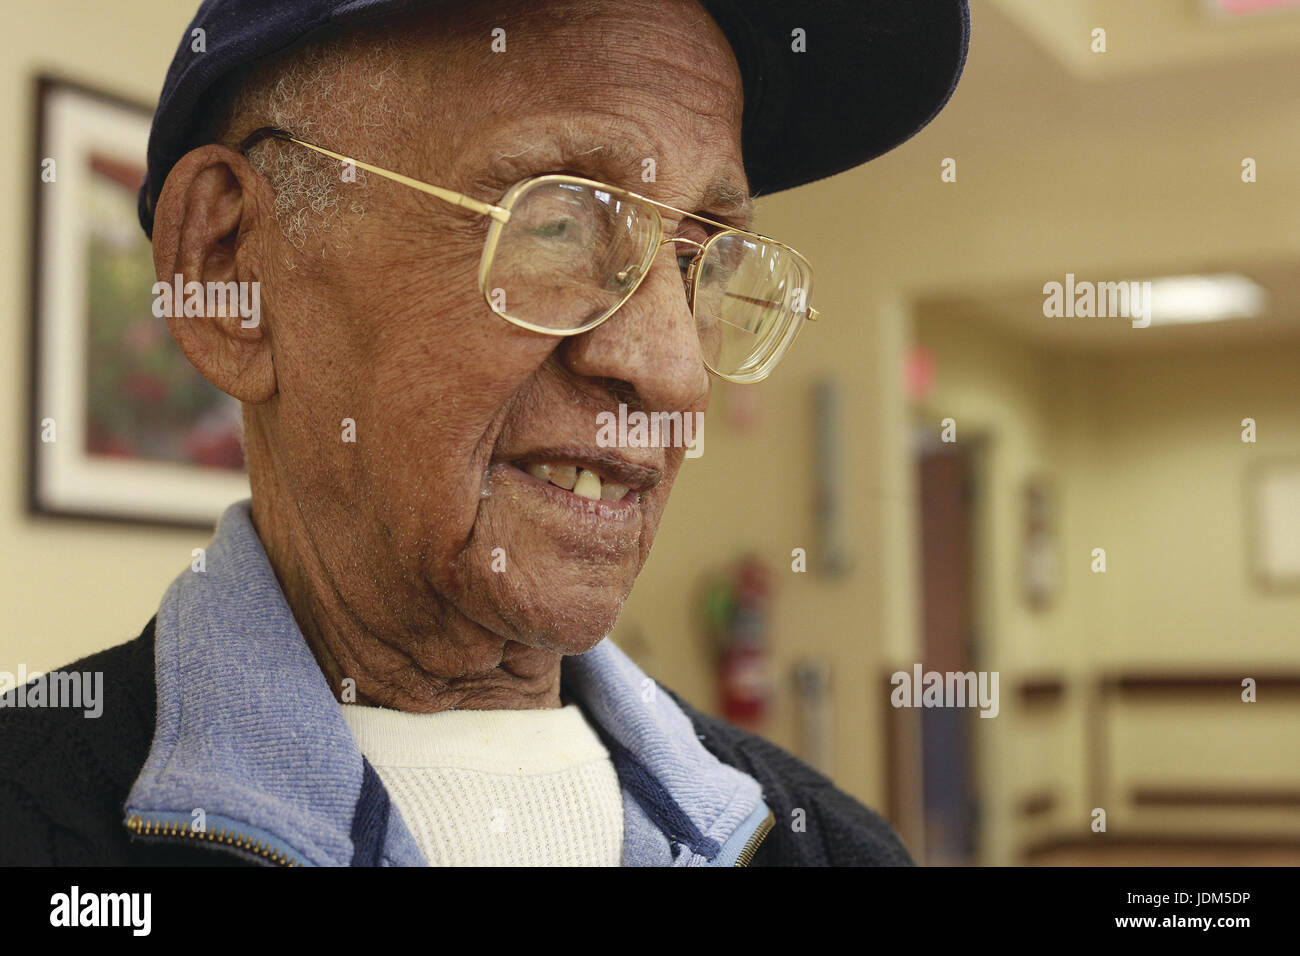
(497, 787)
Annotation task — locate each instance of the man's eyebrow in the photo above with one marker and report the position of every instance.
(724, 197)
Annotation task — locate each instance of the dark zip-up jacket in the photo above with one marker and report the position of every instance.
(64, 781)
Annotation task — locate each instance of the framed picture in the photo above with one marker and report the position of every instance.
(123, 427)
(1273, 498)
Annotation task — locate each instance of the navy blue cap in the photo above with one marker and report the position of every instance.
(873, 74)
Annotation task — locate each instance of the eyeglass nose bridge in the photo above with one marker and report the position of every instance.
(699, 248)
(689, 242)
(695, 259)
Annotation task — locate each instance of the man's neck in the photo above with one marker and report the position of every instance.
(370, 657)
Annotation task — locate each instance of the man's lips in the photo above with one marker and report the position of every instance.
(597, 496)
(573, 475)
(588, 473)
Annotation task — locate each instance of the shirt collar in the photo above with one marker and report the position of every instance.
(249, 732)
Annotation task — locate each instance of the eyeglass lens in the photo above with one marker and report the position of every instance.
(571, 254)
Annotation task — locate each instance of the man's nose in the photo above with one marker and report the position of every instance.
(651, 342)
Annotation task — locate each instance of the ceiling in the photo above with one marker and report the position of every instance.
(1026, 69)
(1020, 312)
(1169, 64)
(1143, 37)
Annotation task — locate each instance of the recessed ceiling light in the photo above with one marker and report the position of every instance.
(1208, 298)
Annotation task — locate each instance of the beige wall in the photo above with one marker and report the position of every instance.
(68, 588)
(1171, 493)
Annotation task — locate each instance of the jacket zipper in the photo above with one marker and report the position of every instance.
(755, 841)
(172, 829)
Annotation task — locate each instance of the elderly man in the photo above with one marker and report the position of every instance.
(475, 227)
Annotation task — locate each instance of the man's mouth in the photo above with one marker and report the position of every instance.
(583, 482)
(588, 474)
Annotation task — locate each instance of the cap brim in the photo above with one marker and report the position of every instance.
(872, 74)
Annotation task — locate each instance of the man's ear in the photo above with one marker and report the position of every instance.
(207, 231)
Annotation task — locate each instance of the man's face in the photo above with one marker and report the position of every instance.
(451, 402)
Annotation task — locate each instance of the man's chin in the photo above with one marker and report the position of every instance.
(574, 638)
(567, 645)
(558, 606)
(572, 629)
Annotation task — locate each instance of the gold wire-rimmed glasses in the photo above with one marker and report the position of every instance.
(564, 253)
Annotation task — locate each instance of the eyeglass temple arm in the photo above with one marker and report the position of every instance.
(446, 195)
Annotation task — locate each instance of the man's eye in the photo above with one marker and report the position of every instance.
(557, 229)
(684, 261)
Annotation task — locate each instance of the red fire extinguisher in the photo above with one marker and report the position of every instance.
(736, 608)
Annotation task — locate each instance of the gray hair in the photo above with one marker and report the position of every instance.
(314, 91)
